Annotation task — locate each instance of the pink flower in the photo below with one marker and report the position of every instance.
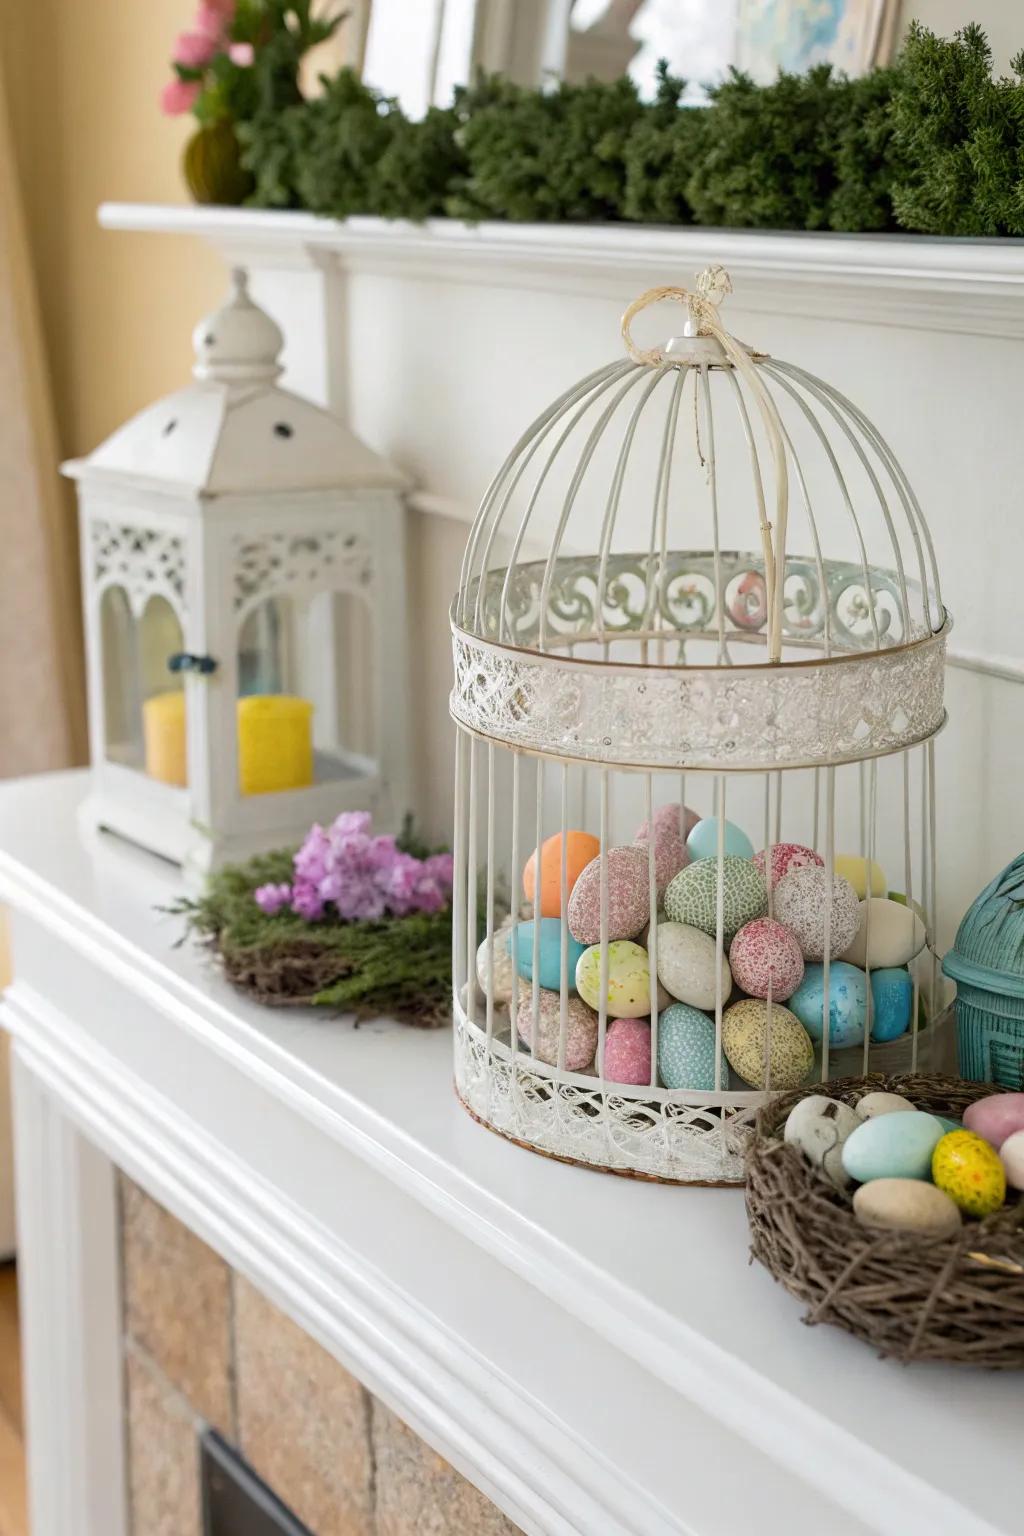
(271, 898)
(214, 17)
(195, 49)
(178, 96)
(306, 902)
(242, 54)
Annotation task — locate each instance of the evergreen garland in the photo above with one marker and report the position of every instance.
(933, 144)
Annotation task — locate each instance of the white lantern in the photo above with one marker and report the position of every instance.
(244, 591)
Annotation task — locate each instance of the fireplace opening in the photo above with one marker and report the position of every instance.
(235, 1501)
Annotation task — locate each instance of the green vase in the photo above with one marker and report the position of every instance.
(213, 168)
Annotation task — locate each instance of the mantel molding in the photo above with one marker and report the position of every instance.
(969, 286)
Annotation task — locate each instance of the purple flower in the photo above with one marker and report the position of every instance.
(311, 859)
(361, 875)
(306, 901)
(271, 898)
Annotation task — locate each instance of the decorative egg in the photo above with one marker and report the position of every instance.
(970, 1172)
(854, 867)
(996, 1117)
(672, 825)
(765, 958)
(627, 1051)
(691, 897)
(502, 966)
(888, 935)
(784, 857)
(550, 968)
(702, 842)
(687, 965)
(629, 896)
(906, 1205)
(873, 1104)
(847, 1003)
(948, 1124)
(629, 980)
(580, 1029)
(1011, 1155)
(892, 1147)
(580, 848)
(801, 903)
(819, 1126)
(686, 1049)
(744, 1040)
(892, 1002)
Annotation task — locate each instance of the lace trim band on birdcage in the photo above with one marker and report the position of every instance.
(656, 1133)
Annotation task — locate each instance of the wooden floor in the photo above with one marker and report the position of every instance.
(13, 1507)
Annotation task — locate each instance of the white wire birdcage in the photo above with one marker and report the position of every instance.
(624, 662)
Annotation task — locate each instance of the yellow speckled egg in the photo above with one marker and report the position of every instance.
(745, 1043)
(969, 1171)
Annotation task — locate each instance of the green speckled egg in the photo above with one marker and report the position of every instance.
(692, 894)
(744, 1037)
(629, 979)
(969, 1170)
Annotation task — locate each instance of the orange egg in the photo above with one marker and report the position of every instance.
(580, 848)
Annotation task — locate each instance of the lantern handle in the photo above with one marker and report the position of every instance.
(186, 661)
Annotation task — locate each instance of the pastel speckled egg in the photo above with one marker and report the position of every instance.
(892, 1147)
(627, 1051)
(629, 897)
(787, 856)
(819, 1126)
(888, 934)
(629, 979)
(765, 958)
(702, 842)
(672, 826)
(854, 867)
(580, 1035)
(687, 965)
(996, 1117)
(580, 848)
(550, 957)
(502, 967)
(847, 1003)
(906, 1205)
(970, 1172)
(686, 1049)
(801, 903)
(892, 1001)
(691, 897)
(745, 1037)
(1011, 1155)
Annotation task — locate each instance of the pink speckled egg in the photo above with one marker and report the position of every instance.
(672, 826)
(580, 1028)
(784, 857)
(629, 896)
(627, 1051)
(765, 957)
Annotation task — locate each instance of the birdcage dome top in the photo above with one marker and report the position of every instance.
(234, 430)
(700, 554)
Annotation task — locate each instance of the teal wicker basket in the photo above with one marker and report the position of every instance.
(987, 964)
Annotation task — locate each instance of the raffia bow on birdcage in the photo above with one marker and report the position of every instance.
(702, 304)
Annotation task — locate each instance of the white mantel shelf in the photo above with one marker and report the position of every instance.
(595, 1353)
(974, 286)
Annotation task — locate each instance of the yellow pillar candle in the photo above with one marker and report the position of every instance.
(163, 735)
(275, 743)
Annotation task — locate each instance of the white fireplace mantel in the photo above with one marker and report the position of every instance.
(596, 1354)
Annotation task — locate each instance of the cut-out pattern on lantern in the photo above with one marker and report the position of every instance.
(243, 576)
(737, 624)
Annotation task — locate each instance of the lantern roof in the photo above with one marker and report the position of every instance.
(234, 429)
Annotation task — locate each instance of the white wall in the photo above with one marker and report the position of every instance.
(1003, 20)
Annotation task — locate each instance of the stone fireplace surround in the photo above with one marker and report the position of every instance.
(204, 1348)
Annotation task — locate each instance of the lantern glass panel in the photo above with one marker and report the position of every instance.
(143, 702)
(305, 686)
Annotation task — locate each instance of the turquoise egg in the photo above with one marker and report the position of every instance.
(892, 1147)
(702, 842)
(550, 953)
(947, 1124)
(892, 994)
(686, 1049)
(847, 1002)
